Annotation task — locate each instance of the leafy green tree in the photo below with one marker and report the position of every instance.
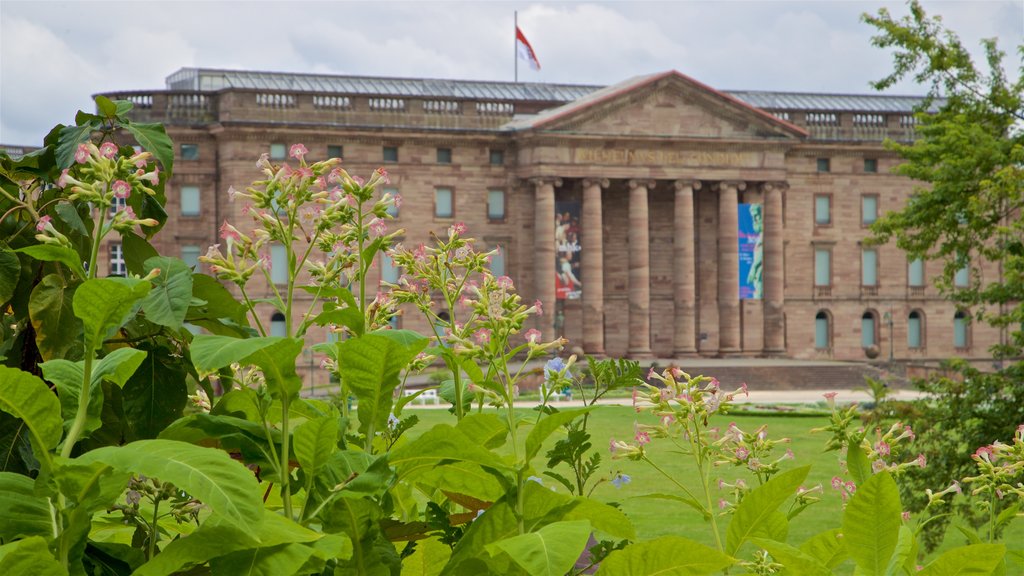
(969, 156)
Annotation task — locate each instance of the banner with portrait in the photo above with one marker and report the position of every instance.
(567, 251)
(751, 251)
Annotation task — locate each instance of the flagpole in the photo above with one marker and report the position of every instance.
(515, 46)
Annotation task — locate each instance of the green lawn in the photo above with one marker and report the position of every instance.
(654, 518)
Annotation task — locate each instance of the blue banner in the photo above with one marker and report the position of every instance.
(751, 251)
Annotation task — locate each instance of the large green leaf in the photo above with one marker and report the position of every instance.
(469, 556)
(26, 397)
(219, 303)
(601, 516)
(274, 355)
(106, 304)
(758, 509)
(58, 331)
(70, 138)
(428, 559)
(535, 439)
(29, 556)
(155, 395)
(795, 561)
(488, 430)
(665, 556)
(550, 551)
(209, 475)
(54, 253)
(154, 139)
(974, 560)
(871, 524)
(68, 212)
(10, 272)
(168, 301)
(370, 366)
(24, 513)
(15, 446)
(136, 252)
(116, 367)
(857, 463)
(826, 547)
(280, 560)
(442, 443)
(314, 442)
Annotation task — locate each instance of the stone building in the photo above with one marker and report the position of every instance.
(645, 185)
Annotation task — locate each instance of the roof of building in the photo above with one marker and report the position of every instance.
(208, 79)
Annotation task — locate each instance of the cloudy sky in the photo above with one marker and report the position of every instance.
(54, 55)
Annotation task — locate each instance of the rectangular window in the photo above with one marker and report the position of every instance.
(871, 165)
(335, 151)
(821, 332)
(498, 262)
(190, 200)
(960, 330)
(444, 205)
(915, 273)
(495, 204)
(867, 331)
(390, 153)
(962, 278)
(914, 330)
(117, 266)
(497, 157)
(824, 165)
(190, 152)
(823, 210)
(277, 151)
(388, 271)
(868, 209)
(392, 209)
(190, 256)
(278, 264)
(869, 267)
(822, 267)
(444, 155)
(117, 204)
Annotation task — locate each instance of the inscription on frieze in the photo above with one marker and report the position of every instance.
(635, 156)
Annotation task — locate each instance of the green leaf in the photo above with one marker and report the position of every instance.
(106, 304)
(314, 442)
(973, 560)
(24, 513)
(105, 106)
(154, 139)
(53, 253)
(797, 563)
(26, 397)
(280, 560)
(469, 556)
(58, 331)
(550, 551)
(275, 356)
(370, 366)
(211, 476)
(440, 444)
(489, 430)
(428, 559)
(535, 439)
(10, 272)
(826, 547)
(677, 498)
(168, 301)
(68, 212)
(665, 556)
(155, 395)
(123, 107)
(904, 546)
(603, 517)
(29, 556)
(758, 509)
(351, 318)
(136, 252)
(857, 463)
(70, 138)
(116, 367)
(871, 524)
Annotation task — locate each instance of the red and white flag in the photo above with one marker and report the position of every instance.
(525, 51)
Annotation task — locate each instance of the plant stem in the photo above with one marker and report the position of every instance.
(705, 474)
(154, 529)
(252, 310)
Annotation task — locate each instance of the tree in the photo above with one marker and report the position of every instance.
(969, 157)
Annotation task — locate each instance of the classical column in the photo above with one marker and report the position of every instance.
(544, 251)
(592, 246)
(728, 268)
(772, 264)
(685, 271)
(639, 270)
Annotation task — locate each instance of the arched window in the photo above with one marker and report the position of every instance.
(278, 327)
(822, 330)
(915, 329)
(961, 336)
(869, 329)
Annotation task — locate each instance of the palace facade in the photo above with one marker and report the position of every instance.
(658, 217)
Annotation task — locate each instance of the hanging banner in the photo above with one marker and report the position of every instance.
(567, 251)
(751, 251)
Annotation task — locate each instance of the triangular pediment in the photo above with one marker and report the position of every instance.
(661, 105)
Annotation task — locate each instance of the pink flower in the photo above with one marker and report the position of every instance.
(641, 436)
(129, 213)
(611, 445)
(398, 200)
(983, 453)
(264, 161)
(108, 150)
(458, 228)
(232, 193)
(121, 189)
(837, 483)
(651, 373)
(789, 454)
(504, 282)
(383, 175)
(532, 335)
(82, 154)
(830, 395)
(378, 227)
(482, 336)
(304, 171)
(297, 151)
(420, 253)
(153, 177)
(921, 460)
(877, 466)
(746, 392)
(723, 503)
(63, 180)
(540, 309)
(266, 262)
(882, 448)
(742, 453)
(906, 516)
(43, 223)
(229, 232)
(850, 486)
(668, 420)
(909, 433)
